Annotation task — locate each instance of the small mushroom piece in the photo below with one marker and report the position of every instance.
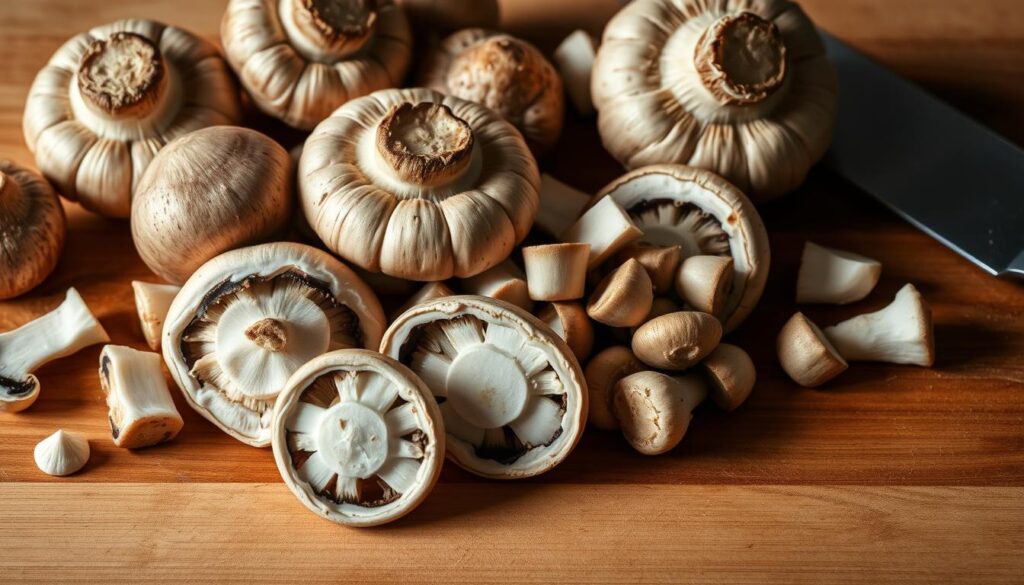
(732, 375)
(654, 410)
(447, 16)
(660, 262)
(901, 333)
(606, 227)
(556, 272)
(560, 206)
(142, 412)
(32, 229)
(575, 60)
(62, 453)
(507, 75)
(806, 354)
(152, 302)
(570, 322)
(677, 340)
(428, 292)
(111, 98)
(835, 276)
(704, 282)
(602, 373)
(302, 59)
(61, 332)
(623, 298)
(510, 390)
(249, 318)
(358, 438)
(505, 282)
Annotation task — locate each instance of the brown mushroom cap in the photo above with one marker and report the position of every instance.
(678, 340)
(623, 298)
(732, 375)
(32, 229)
(602, 373)
(806, 354)
(660, 262)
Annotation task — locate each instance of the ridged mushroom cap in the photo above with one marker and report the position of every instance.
(32, 229)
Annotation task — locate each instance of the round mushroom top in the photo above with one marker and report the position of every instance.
(249, 318)
(418, 185)
(741, 88)
(301, 59)
(111, 98)
(504, 73)
(32, 229)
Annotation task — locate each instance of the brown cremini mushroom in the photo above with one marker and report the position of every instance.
(806, 354)
(677, 340)
(32, 229)
(623, 298)
(654, 410)
(732, 375)
(602, 373)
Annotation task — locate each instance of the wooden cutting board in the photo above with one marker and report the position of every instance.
(892, 474)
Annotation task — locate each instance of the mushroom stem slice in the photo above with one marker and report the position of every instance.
(602, 373)
(834, 276)
(660, 262)
(329, 29)
(142, 412)
(152, 301)
(654, 409)
(560, 206)
(677, 340)
(806, 354)
(62, 453)
(59, 333)
(704, 282)
(556, 272)
(505, 282)
(606, 227)
(741, 59)
(901, 333)
(574, 58)
(623, 298)
(123, 76)
(732, 376)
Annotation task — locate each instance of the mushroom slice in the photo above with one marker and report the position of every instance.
(602, 373)
(703, 213)
(703, 282)
(806, 354)
(574, 57)
(142, 412)
(654, 410)
(606, 227)
(677, 340)
(556, 272)
(248, 319)
(571, 323)
(510, 390)
(505, 282)
(560, 206)
(59, 333)
(623, 298)
(152, 302)
(828, 275)
(732, 375)
(62, 453)
(32, 229)
(901, 333)
(357, 438)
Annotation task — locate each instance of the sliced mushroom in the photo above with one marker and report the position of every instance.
(654, 410)
(660, 262)
(606, 227)
(570, 322)
(806, 354)
(575, 60)
(429, 292)
(62, 453)
(142, 412)
(623, 298)
(901, 333)
(61, 332)
(602, 373)
(560, 206)
(834, 276)
(504, 282)
(678, 340)
(249, 318)
(556, 272)
(152, 302)
(732, 375)
(32, 229)
(704, 282)
(510, 390)
(358, 438)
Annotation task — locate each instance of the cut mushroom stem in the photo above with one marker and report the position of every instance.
(504, 282)
(428, 292)
(834, 276)
(425, 144)
(123, 76)
(560, 206)
(741, 59)
(806, 355)
(602, 373)
(901, 333)
(678, 340)
(623, 298)
(660, 262)
(732, 375)
(556, 272)
(59, 333)
(654, 410)
(570, 322)
(574, 58)
(152, 302)
(329, 30)
(704, 282)
(142, 412)
(606, 227)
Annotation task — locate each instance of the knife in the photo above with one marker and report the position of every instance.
(940, 170)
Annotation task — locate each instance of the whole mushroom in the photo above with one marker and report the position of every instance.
(32, 229)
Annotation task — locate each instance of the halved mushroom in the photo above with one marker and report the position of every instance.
(575, 59)
(510, 390)
(556, 272)
(249, 318)
(703, 213)
(704, 282)
(152, 302)
(504, 282)
(806, 354)
(570, 322)
(623, 298)
(62, 453)
(602, 373)
(61, 332)
(660, 262)
(654, 410)
(606, 227)
(418, 185)
(142, 412)
(560, 206)
(677, 340)
(111, 98)
(302, 59)
(835, 276)
(358, 438)
(901, 333)
(32, 229)
(732, 375)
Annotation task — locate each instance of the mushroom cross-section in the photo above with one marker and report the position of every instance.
(510, 390)
(358, 438)
(418, 185)
(249, 318)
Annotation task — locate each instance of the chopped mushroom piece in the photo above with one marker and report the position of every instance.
(834, 276)
(732, 376)
(806, 354)
(677, 340)
(505, 282)
(560, 206)
(901, 333)
(654, 410)
(556, 272)
(602, 373)
(152, 301)
(606, 227)
(570, 322)
(575, 60)
(32, 229)
(660, 262)
(62, 453)
(142, 412)
(59, 333)
(623, 298)
(703, 282)
(428, 292)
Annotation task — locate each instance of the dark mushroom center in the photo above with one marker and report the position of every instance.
(741, 59)
(340, 26)
(425, 144)
(123, 75)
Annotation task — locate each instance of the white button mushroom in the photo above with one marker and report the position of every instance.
(901, 333)
(677, 340)
(575, 59)
(62, 453)
(806, 354)
(32, 229)
(152, 302)
(835, 276)
(602, 373)
(623, 298)
(654, 410)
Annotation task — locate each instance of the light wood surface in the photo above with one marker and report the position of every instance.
(892, 474)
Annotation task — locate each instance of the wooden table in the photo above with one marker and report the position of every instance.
(892, 474)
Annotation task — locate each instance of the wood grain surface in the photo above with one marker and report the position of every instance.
(891, 474)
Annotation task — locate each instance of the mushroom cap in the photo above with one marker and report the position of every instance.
(32, 229)
(98, 158)
(806, 354)
(677, 340)
(705, 214)
(732, 375)
(371, 217)
(648, 68)
(298, 80)
(62, 453)
(602, 373)
(208, 192)
(704, 282)
(451, 15)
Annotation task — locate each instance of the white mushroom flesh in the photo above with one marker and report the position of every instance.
(152, 302)
(560, 206)
(901, 333)
(834, 276)
(606, 227)
(141, 411)
(574, 58)
(62, 453)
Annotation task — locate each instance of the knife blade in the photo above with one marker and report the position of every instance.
(934, 166)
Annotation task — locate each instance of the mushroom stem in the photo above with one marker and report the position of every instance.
(425, 144)
(329, 30)
(123, 76)
(741, 59)
(268, 333)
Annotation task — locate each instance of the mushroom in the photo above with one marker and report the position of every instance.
(660, 262)
(556, 272)
(32, 229)
(575, 60)
(901, 333)
(504, 282)
(704, 282)
(445, 16)
(418, 185)
(249, 318)
(806, 354)
(698, 210)
(510, 390)
(152, 302)
(215, 189)
(59, 333)
(606, 227)
(740, 88)
(560, 206)
(662, 306)
(358, 438)
(302, 59)
(834, 276)
(62, 453)
(429, 292)
(654, 409)
(602, 373)
(570, 322)
(623, 298)
(732, 375)
(142, 412)
(111, 98)
(677, 340)
(504, 73)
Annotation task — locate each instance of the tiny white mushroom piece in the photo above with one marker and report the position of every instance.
(901, 333)
(606, 227)
(834, 276)
(704, 282)
(660, 262)
(152, 302)
(602, 373)
(806, 354)
(62, 453)
(504, 282)
(142, 412)
(560, 206)
(574, 58)
(677, 340)
(570, 322)
(61, 332)
(623, 298)
(732, 375)
(428, 292)
(654, 410)
(556, 272)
